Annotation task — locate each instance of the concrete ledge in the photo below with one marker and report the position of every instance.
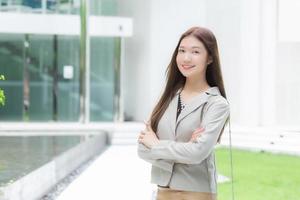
(276, 141)
(52, 128)
(65, 128)
(37, 183)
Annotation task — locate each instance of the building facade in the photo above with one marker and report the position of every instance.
(40, 58)
(258, 44)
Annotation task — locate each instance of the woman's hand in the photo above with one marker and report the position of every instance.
(197, 133)
(148, 137)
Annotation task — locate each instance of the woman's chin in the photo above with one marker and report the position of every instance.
(187, 75)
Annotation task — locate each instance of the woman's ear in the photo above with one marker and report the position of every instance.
(209, 60)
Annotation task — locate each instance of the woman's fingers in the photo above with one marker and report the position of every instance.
(198, 130)
(141, 135)
(197, 133)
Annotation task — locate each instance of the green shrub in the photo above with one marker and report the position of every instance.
(2, 95)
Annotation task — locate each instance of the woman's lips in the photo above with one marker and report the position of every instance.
(186, 67)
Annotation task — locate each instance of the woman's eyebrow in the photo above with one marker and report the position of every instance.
(193, 47)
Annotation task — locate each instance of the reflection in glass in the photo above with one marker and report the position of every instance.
(103, 60)
(68, 78)
(11, 65)
(52, 63)
(40, 56)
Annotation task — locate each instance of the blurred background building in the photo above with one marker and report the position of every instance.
(39, 56)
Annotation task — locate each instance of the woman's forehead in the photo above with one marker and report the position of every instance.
(191, 42)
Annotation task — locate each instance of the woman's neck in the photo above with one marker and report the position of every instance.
(192, 86)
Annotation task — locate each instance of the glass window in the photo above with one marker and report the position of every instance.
(42, 77)
(68, 78)
(11, 66)
(40, 63)
(97, 7)
(103, 63)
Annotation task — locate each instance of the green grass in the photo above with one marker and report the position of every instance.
(259, 176)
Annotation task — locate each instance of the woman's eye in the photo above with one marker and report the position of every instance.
(181, 50)
(196, 52)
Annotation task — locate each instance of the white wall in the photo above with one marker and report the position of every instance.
(157, 26)
(288, 18)
(135, 79)
(288, 84)
(224, 19)
(260, 72)
(288, 64)
(168, 22)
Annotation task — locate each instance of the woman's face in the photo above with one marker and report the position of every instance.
(192, 57)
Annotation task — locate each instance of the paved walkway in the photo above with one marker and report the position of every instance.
(117, 174)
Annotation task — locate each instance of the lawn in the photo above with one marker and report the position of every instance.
(259, 176)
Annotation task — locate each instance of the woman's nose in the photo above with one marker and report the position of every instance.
(187, 57)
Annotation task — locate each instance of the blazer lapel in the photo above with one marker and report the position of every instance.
(173, 112)
(195, 103)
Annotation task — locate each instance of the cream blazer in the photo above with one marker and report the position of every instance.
(178, 163)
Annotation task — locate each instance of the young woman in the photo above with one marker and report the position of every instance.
(187, 121)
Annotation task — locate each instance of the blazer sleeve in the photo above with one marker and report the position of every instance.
(145, 154)
(193, 153)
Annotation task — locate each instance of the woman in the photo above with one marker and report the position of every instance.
(187, 121)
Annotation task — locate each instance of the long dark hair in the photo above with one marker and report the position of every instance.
(175, 80)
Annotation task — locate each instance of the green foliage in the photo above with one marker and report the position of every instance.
(2, 95)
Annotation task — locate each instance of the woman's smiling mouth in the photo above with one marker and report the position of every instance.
(186, 67)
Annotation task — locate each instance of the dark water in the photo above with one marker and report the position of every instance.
(20, 155)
